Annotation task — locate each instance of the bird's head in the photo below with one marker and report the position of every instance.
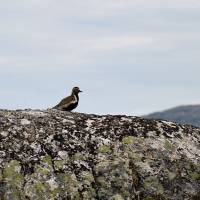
(76, 90)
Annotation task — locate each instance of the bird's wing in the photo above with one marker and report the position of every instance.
(64, 103)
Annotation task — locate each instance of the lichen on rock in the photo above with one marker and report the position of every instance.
(55, 155)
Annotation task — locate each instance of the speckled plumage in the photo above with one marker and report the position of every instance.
(71, 102)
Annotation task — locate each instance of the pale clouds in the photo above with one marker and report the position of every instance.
(129, 47)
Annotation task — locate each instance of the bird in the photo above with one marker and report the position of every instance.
(69, 103)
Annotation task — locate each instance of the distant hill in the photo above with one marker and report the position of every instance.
(189, 114)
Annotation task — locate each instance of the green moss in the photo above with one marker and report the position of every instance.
(41, 171)
(1, 175)
(114, 175)
(195, 175)
(104, 149)
(86, 175)
(136, 157)
(78, 156)
(128, 140)
(11, 168)
(70, 185)
(14, 180)
(59, 164)
(44, 169)
(102, 182)
(11, 173)
(42, 190)
(152, 183)
(117, 197)
(149, 198)
(168, 145)
(171, 175)
(47, 159)
(193, 170)
(87, 180)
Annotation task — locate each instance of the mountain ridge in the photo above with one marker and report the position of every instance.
(184, 114)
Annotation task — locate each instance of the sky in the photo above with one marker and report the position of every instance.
(128, 57)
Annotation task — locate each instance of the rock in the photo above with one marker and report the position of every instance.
(50, 154)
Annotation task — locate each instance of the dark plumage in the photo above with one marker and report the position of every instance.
(71, 102)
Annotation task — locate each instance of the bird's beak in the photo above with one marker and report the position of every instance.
(80, 91)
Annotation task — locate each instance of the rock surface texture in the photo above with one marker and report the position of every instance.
(47, 155)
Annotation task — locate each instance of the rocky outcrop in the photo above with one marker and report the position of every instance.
(60, 155)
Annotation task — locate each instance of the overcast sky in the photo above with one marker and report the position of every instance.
(128, 56)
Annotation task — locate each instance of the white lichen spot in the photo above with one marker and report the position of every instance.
(117, 197)
(25, 122)
(156, 142)
(89, 124)
(151, 133)
(127, 119)
(4, 133)
(41, 130)
(17, 169)
(53, 184)
(36, 147)
(169, 123)
(63, 155)
(82, 163)
(101, 140)
(159, 126)
(35, 112)
(64, 131)
(70, 117)
(50, 138)
(26, 135)
(71, 121)
(2, 154)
